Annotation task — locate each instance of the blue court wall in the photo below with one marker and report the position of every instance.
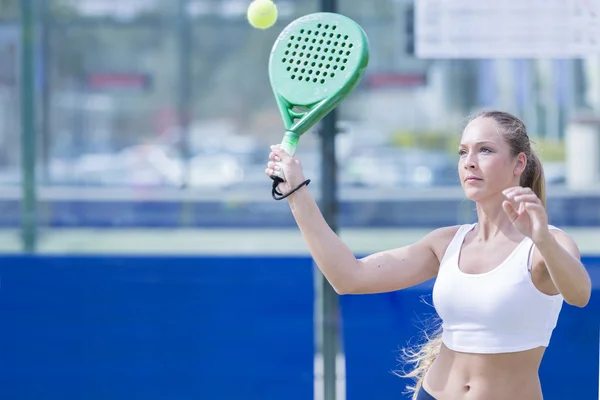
(123, 328)
(117, 327)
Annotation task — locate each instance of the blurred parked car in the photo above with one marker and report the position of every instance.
(400, 167)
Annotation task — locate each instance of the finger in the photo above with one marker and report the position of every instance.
(513, 203)
(509, 209)
(269, 172)
(527, 198)
(516, 191)
(535, 208)
(274, 166)
(274, 157)
(510, 190)
(525, 190)
(280, 152)
(536, 212)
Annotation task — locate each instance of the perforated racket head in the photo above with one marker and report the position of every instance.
(316, 61)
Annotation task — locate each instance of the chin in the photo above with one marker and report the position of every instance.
(475, 194)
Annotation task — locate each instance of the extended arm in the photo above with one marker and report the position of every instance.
(380, 272)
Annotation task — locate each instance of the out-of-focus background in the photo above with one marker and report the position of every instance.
(142, 253)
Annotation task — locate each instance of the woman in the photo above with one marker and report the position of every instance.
(500, 282)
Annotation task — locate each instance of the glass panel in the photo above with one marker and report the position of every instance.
(116, 9)
(9, 9)
(152, 118)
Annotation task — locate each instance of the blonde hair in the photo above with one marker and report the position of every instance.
(421, 357)
(515, 133)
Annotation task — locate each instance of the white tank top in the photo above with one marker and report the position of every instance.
(499, 311)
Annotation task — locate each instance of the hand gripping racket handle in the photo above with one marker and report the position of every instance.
(288, 144)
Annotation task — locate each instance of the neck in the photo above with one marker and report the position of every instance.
(492, 220)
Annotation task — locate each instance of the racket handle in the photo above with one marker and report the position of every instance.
(288, 144)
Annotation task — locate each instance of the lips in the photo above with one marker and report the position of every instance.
(472, 178)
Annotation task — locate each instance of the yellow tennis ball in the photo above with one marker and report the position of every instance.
(262, 14)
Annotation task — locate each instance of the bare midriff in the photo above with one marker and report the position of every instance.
(468, 376)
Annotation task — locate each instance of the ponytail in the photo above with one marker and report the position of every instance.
(533, 177)
(421, 358)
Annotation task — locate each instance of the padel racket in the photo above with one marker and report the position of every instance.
(315, 63)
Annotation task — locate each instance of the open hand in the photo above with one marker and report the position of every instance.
(527, 213)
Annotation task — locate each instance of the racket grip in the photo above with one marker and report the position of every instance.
(288, 144)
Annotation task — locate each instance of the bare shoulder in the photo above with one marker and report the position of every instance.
(562, 238)
(439, 239)
(539, 272)
(565, 240)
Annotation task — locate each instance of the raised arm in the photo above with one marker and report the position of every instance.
(381, 272)
(557, 266)
(557, 257)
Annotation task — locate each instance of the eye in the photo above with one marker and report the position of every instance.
(486, 150)
(462, 152)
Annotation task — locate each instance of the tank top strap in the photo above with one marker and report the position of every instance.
(528, 248)
(554, 228)
(456, 243)
(522, 256)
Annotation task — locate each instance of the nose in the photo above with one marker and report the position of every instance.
(470, 162)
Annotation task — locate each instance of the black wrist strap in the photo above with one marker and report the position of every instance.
(276, 193)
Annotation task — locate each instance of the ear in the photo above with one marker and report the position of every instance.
(520, 164)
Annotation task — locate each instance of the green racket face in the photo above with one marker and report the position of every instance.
(315, 62)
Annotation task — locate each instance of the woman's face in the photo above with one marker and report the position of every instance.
(486, 165)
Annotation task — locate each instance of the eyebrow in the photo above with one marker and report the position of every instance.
(479, 143)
